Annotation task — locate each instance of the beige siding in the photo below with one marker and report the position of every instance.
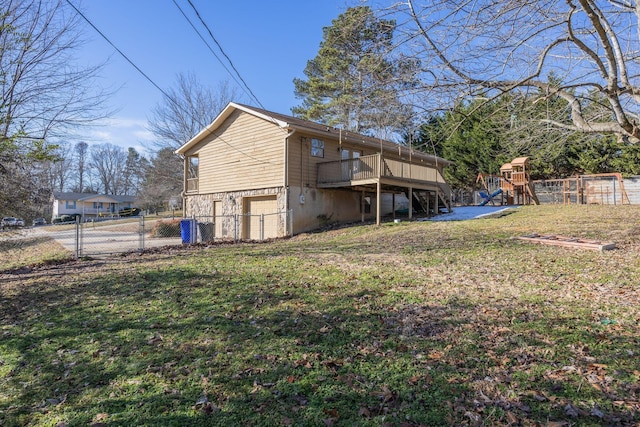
(245, 153)
(303, 167)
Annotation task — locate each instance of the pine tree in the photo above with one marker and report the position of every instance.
(355, 82)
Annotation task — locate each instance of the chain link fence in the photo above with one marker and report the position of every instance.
(116, 236)
(603, 189)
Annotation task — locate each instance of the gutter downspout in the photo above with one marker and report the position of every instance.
(185, 174)
(289, 220)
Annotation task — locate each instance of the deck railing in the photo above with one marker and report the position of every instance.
(376, 166)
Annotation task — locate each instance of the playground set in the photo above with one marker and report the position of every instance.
(513, 185)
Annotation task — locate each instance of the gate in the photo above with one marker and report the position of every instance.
(117, 236)
(94, 238)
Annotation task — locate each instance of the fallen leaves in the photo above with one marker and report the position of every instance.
(445, 322)
(203, 405)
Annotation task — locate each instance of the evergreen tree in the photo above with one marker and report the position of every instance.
(354, 82)
(134, 170)
(480, 135)
(470, 137)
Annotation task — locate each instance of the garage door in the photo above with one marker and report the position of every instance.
(261, 218)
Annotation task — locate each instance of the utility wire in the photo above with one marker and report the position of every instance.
(209, 46)
(123, 55)
(225, 55)
(180, 107)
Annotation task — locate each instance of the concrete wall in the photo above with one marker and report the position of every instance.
(313, 208)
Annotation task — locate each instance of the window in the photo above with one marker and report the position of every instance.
(193, 167)
(70, 204)
(317, 147)
(193, 163)
(97, 205)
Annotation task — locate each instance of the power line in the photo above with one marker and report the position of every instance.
(123, 54)
(156, 85)
(225, 55)
(209, 46)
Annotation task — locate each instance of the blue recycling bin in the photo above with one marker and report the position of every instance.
(188, 230)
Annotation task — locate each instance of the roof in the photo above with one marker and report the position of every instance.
(290, 123)
(62, 195)
(519, 161)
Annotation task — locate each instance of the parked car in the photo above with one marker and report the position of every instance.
(39, 221)
(65, 218)
(9, 221)
(19, 222)
(130, 212)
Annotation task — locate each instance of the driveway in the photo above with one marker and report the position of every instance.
(104, 239)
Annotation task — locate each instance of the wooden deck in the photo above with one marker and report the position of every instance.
(419, 181)
(374, 169)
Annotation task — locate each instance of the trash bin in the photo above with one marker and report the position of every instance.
(206, 231)
(188, 230)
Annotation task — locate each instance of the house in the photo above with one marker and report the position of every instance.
(250, 165)
(89, 205)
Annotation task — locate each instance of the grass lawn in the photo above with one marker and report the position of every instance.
(422, 323)
(17, 252)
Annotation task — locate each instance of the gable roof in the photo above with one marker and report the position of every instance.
(62, 195)
(290, 123)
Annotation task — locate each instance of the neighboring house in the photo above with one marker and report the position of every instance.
(250, 163)
(89, 205)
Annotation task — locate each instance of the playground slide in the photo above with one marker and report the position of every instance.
(488, 197)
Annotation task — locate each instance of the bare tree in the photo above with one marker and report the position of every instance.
(81, 152)
(468, 48)
(60, 170)
(190, 107)
(42, 92)
(108, 163)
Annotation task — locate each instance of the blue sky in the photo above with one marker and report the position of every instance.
(268, 42)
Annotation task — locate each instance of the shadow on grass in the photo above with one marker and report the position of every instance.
(196, 346)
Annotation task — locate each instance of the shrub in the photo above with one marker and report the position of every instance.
(166, 228)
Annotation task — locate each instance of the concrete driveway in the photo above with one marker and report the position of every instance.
(104, 239)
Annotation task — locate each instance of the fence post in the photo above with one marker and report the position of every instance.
(141, 233)
(262, 226)
(78, 239)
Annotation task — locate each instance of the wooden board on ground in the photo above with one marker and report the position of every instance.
(571, 242)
